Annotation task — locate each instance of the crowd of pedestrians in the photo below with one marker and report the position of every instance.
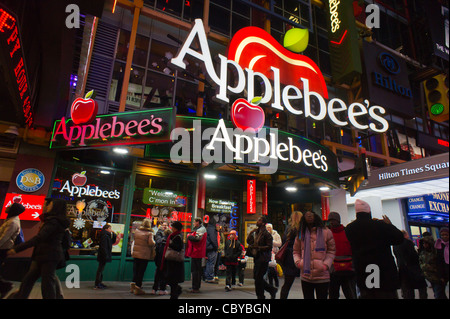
(367, 259)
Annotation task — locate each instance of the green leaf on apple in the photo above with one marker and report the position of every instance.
(256, 100)
(90, 94)
(83, 173)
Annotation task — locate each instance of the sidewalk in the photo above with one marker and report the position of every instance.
(121, 290)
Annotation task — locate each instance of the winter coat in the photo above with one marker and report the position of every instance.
(411, 275)
(343, 261)
(105, 247)
(143, 245)
(318, 258)
(428, 262)
(288, 265)
(174, 270)
(196, 245)
(442, 266)
(9, 231)
(233, 251)
(160, 241)
(277, 242)
(371, 242)
(260, 243)
(211, 239)
(48, 241)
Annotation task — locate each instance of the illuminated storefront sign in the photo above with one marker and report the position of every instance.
(80, 189)
(432, 167)
(10, 38)
(334, 15)
(345, 57)
(153, 196)
(30, 180)
(433, 207)
(198, 140)
(140, 127)
(251, 196)
(256, 57)
(33, 205)
(220, 205)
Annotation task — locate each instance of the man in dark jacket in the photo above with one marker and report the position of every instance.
(212, 247)
(107, 238)
(48, 251)
(260, 247)
(371, 241)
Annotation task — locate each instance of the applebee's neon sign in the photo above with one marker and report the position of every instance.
(78, 189)
(334, 15)
(263, 58)
(86, 128)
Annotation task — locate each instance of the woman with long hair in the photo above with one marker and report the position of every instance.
(314, 252)
(48, 250)
(290, 271)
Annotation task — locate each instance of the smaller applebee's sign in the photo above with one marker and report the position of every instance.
(33, 205)
(79, 189)
(87, 129)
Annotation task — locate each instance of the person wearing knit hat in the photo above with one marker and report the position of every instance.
(232, 250)
(362, 206)
(370, 242)
(442, 245)
(9, 231)
(344, 273)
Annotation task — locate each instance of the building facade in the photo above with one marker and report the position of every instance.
(174, 81)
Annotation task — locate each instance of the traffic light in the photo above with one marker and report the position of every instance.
(436, 94)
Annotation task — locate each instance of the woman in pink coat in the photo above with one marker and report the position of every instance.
(314, 251)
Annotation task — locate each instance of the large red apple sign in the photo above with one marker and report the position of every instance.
(246, 115)
(79, 179)
(84, 110)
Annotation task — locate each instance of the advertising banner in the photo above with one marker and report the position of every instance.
(33, 205)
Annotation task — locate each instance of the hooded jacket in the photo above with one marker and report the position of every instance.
(48, 241)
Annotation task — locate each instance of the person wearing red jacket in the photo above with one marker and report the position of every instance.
(196, 249)
(342, 275)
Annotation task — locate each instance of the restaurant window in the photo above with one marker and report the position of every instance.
(94, 197)
(116, 82)
(228, 17)
(158, 90)
(161, 199)
(173, 7)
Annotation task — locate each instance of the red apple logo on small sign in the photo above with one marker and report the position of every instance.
(79, 179)
(84, 110)
(248, 115)
(17, 199)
